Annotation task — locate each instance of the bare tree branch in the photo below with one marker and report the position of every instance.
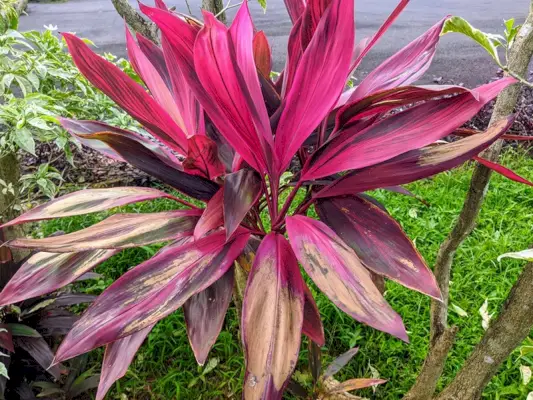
(136, 20)
(503, 336)
(441, 339)
(519, 58)
(426, 382)
(216, 7)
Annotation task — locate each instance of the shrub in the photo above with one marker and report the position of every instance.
(219, 130)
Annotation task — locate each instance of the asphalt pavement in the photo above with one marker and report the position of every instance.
(457, 57)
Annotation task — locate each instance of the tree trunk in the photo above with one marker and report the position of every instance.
(136, 20)
(10, 173)
(503, 336)
(215, 7)
(519, 57)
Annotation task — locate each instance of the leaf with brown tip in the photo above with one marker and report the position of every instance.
(338, 272)
(241, 190)
(272, 319)
(117, 358)
(204, 315)
(120, 231)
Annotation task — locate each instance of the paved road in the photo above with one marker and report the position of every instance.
(457, 58)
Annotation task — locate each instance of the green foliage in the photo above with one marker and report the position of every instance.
(165, 365)
(8, 15)
(488, 41)
(39, 82)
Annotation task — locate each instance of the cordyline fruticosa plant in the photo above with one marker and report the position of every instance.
(224, 133)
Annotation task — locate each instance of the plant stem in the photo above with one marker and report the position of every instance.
(288, 203)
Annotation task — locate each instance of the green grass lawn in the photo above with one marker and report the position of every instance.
(165, 367)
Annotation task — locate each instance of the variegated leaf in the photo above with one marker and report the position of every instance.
(120, 231)
(272, 319)
(338, 272)
(152, 290)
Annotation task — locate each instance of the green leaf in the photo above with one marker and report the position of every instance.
(520, 255)
(24, 85)
(487, 41)
(40, 123)
(3, 370)
(8, 79)
(509, 24)
(263, 4)
(24, 139)
(34, 79)
(459, 311)
(22, 330)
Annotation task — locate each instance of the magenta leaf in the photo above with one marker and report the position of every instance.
(212, 217)
(154, 81)
(142, 157)
(242, 189)
(295, 8)
(82, 131)
(126, 92)
(338, 272)
(88, 201)
(401, 132)
(223, 69)
(152, 290)
(262, 54)
(44, 272)
(416, 164)
(500, 169)
(204, 315)
(202, 158)
(156, 57)
(120, 231)
(319, 80)
(379, 241)
(272, 319)
(117, 358)
(312, 325)
(403, 68)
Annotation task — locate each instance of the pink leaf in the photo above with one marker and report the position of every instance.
(152, 290)
(403, 68)
(408, 130)
(120, 231)
(272, 319)
(88, 201)
(416, 164)
(126, 92)
(319, 80)
(379, 241)
(241, 191)
(153, 80)
(204, 315)
(212, 217)
(500, 169)
(338, 272)
(295, 8)
(44, 272)
(312, 325)
(117, 358)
